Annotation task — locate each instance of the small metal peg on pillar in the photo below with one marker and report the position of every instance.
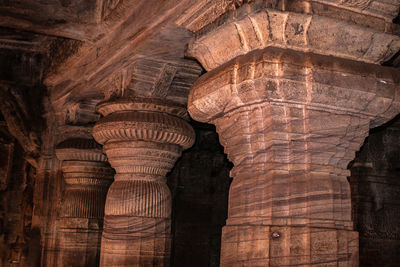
(275, 235)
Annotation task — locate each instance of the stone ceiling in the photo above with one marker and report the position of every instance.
(74, 54)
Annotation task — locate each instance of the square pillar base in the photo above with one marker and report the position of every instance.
(260, 245)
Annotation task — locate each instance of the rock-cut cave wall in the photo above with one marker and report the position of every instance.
(375, 187)
(19, 241)
(199, 184)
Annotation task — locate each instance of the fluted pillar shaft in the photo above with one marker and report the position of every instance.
(291, 122)
(87, 177)
(142, 139)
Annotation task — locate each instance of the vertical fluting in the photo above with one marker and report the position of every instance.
(291, 122)
(87, 177)
(142, 139)
(279, 183)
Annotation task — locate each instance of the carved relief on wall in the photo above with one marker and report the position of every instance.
(15, 113)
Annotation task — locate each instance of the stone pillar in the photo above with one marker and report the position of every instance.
(142, 139)
(290, 121)
(87, 177)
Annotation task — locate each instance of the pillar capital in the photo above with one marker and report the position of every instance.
(281, 76)
(297, 98)
(151, 120)
(297, 29)
(80, 149)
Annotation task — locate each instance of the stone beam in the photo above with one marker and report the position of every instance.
(297, 31)
(28, 46)
(76, 20)
(74, 31)
(386, 10)
(153, 78)
(127, 30)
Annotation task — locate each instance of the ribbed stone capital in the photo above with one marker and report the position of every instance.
(80, 149)
(87, 177)
(284, 110)
(142, 138)
(281, 76)
(302, 32)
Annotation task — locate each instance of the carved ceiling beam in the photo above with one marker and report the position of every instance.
(163, 38)
(74, 31)
(84, 21)
(386, 10)
(28, 46)
(153, 78)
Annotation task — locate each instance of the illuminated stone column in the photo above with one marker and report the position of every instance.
(87, 177)
(142, 139)
(293, 93)
(291, 122)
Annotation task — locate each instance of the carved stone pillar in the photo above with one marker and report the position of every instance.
(87, 177)
(290, 122)
(142, 139)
